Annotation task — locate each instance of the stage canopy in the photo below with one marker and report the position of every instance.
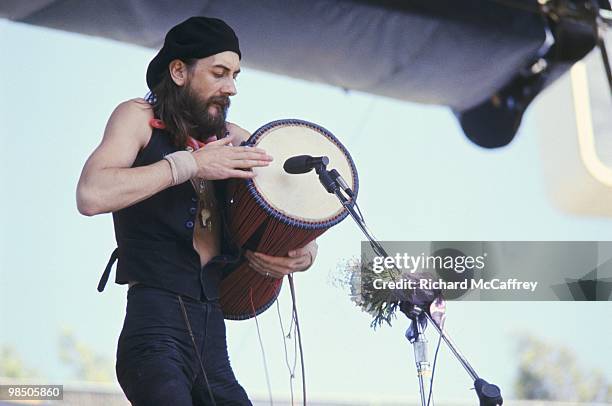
(442, 52)
(485, 59)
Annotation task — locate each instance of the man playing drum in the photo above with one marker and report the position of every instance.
(153, 172)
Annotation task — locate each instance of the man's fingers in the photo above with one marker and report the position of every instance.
(271, 263)
(303, 258)
(269, 259)
(249, 163)
(260, 263)
(237, 173)
(222, 141)
(240, 150)
(272, 273)
(303, 262)
(257, 267)
(277, 263)
(306, 249)
(250, 149)
(257, 156)
(298, 252)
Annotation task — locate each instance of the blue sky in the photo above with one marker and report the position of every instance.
(420, 179)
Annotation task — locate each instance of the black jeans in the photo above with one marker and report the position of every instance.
(156, 360)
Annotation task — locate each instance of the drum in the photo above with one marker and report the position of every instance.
(276, 212)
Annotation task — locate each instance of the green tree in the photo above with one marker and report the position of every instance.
(12, 366)
(551, 372)
(86, 364)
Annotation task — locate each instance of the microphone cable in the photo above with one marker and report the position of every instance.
(195, 347)
(433, 371)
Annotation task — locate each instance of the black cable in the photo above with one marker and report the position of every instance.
(602, 45)
(195, 347)
(433, 370)
(299, 336)
(606, 61)
(359, 211)
(261, 346)
(375, 247)
(285, 337)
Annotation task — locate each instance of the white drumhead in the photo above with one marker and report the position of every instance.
(300, 197)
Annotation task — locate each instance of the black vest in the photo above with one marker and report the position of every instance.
(155, 236)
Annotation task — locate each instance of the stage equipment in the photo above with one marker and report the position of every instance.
(573, 28)
(484, 59)
(418, 310)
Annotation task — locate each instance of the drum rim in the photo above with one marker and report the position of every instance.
(310, 225)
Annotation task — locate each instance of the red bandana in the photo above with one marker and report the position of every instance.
(192, 142)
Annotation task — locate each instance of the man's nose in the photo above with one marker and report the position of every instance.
(229, 88)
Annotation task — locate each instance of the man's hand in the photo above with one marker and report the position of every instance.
(220, 160)
(277, 267)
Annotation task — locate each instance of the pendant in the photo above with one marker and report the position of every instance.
(205, 218)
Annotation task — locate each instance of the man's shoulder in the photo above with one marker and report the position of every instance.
(131, 118)
(137, 108)
(133, 114)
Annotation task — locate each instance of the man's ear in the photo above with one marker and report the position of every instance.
(178, 72)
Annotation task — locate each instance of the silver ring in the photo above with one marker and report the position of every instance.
(267, 274)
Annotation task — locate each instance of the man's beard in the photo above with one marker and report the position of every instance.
(197, 113)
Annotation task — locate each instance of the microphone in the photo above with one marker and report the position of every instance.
(304, 163)
(341, 182)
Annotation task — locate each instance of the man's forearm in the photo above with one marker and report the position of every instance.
(112, 189)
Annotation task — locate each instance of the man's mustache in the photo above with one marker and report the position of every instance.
(222, 101)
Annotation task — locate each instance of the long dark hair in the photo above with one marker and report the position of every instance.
(169, 105)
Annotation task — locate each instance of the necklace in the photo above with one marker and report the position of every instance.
(206, 200)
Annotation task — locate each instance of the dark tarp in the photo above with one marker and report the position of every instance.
(455, 53)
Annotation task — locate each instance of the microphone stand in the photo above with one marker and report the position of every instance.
(331, 185)
(488, 394)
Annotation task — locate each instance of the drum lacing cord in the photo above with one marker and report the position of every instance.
(195, 347)
(263, 353)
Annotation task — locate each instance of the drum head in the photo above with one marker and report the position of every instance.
(301, 199)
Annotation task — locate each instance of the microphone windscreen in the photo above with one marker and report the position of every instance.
(297, 164)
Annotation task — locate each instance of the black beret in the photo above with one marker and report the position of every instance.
(196, 37)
